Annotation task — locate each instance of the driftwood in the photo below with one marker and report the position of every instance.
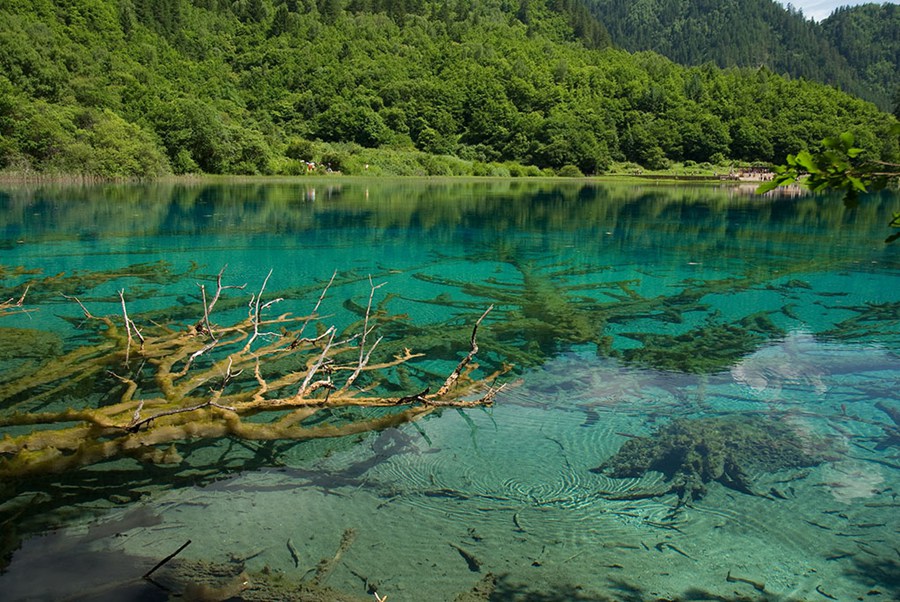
(14, 305)
(261, 378)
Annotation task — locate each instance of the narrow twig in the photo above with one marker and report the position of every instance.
(327, 565)
(137, 412)
(129, 326)
(315, 309)
(207, 309)
(166, 559)
(485, 400)
(193, 356)
(220, 288)
(363, 356)
(136, 426)
(417, 397)
(226, 378)
(209, 330)
(22, 298)
(255, 309)
(84, 309)
(8, 305)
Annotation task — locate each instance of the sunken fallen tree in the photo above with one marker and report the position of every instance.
(264, 377)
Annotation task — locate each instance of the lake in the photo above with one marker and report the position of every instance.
(700, 392)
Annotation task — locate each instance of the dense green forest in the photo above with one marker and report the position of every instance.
(856, 49)
(868, 36)
(505, 87)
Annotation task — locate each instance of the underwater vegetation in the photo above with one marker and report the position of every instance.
(543, 308)
(163, 398)
(694, 452)
(178, 375)
(704, 350)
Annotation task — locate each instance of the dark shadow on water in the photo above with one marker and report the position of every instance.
(56, 567)
(881, 574)
(35, 505)
(507, 591)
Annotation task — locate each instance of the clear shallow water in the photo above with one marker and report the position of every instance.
(623, 307)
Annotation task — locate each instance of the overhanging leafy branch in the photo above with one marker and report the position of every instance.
(840, 165)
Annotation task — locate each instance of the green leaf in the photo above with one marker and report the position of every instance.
(857, 183)
(806, 161)
(767, 187)
(848, 139)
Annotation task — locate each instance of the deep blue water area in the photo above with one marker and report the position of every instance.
(703, 403)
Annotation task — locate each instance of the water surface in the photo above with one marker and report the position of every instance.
(623, 307)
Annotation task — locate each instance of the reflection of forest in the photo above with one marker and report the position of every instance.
(706, 215)
(540, 305)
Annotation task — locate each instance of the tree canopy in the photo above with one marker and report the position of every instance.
(146, 87)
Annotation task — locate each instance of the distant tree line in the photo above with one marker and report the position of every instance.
(147, 87)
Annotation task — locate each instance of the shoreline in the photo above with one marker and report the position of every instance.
(744, 186)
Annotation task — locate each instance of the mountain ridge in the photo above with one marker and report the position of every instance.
(753, 33)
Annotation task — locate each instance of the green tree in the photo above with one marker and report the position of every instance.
(219, 85)
(196, 127)
(346, 121)
(897, 102)
(564, 140)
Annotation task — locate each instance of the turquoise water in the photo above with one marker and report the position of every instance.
(623, 307)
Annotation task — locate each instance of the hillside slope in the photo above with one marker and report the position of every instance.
(868, 37)
(145, 87)
(853, 50)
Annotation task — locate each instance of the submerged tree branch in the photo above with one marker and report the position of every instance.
(192, 382)
(13, 305)
(473, 349)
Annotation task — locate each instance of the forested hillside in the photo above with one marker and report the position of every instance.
(855, 49)
(868, 36)
(144, 87)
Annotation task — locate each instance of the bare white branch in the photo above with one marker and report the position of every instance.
(315, 310)
(318, 364)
